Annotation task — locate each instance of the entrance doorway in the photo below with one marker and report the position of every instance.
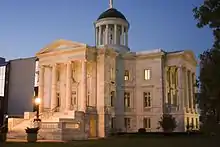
(92, 126)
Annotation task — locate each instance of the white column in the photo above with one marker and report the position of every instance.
(166, 84)
(180, 88)
(99, 38)
(187, 90)
(123, 36)
(194, 90)
(96, 35)
(83, 87)
(126, 37)
(68, 85)
(95, 84)
(191, 89)
(115, 34)
(41, 88)
(106, 35)
(171, 85)
(53, 101)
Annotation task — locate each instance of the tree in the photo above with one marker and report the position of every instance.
(209, 96)
(168, 123)
(209, 80)
(208, 15)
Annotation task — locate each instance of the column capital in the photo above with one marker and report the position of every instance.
(41, 66)
(54, 65)
(69, 62)
(83, 61)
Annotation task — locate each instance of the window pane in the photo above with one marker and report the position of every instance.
(147, 123)
(127, 99)
(147, 99)
(126, 75)
(147, 74)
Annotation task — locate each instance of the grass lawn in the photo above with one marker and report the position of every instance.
(129, 142)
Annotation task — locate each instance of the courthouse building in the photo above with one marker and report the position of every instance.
(117, 89)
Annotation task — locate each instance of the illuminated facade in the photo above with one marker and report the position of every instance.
(116, 89)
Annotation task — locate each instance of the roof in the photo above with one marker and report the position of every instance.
(112, 13)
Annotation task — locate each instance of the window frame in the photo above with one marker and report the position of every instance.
(126, 76)
(127, 122)
(148, 98)
(148, 74)
(147, 122)
(127, 95)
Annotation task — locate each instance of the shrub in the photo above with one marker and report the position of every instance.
(168, 123)
(142, 130)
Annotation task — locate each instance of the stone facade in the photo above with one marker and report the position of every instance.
(113, 88)
(128, 91)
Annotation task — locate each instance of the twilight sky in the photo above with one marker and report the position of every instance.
(26, 26)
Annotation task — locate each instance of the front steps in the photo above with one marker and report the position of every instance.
(18, 131)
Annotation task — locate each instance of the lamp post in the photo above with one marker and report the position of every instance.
(37, 103)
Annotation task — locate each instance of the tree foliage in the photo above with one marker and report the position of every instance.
(208, 14)
(209, 97)
(168, 123)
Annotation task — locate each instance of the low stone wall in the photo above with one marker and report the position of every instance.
(29, 115)
(12, 122)
(66, 129)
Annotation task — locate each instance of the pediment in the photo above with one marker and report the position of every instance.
(189, 55)
(61, 44)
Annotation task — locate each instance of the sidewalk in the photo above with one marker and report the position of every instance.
(20, 140)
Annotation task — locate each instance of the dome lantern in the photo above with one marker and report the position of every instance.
(111, 29)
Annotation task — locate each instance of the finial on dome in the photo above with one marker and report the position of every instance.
(110, 4)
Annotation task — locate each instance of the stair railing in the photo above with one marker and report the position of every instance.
(48, 114)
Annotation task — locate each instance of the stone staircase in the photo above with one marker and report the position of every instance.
(18, 131)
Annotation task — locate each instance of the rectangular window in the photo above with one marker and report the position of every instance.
(127, 122)
(126, 76)
(112, 98)
(58, 100)
(147, 99)
(88, 99)
(126, 99)
(147, 74)
(113, 122)
(147, 123)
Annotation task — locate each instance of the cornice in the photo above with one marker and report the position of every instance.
(185, 55)
(60, 52)
(147, 56)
